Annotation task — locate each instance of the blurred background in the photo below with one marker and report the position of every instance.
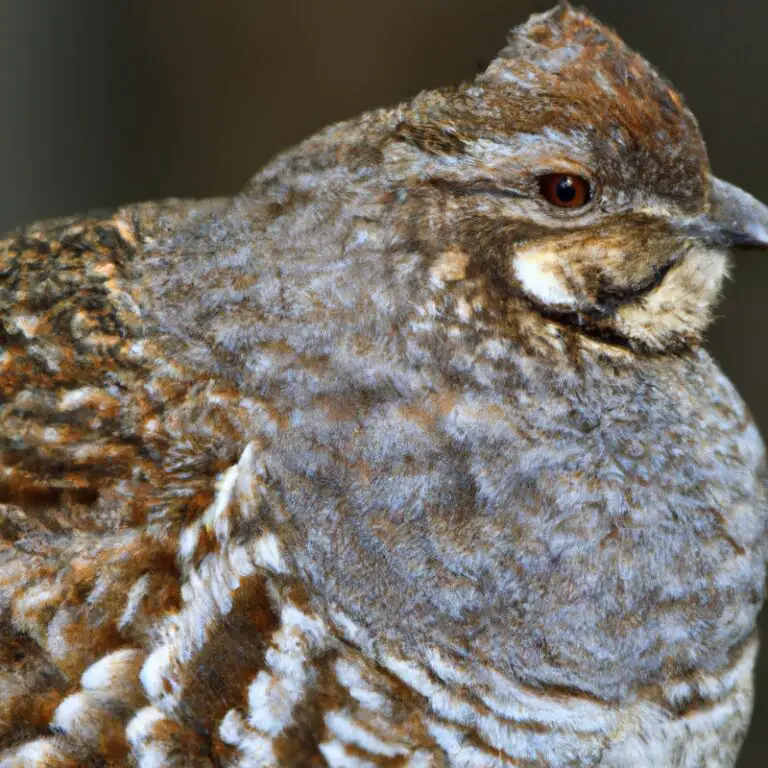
(107, 103)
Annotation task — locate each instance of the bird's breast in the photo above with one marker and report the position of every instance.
(597, 538)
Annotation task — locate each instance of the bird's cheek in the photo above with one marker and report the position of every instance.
(545, 277)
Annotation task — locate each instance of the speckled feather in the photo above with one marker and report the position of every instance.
(384, 461)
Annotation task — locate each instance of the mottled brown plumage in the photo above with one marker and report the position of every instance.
(392, 459)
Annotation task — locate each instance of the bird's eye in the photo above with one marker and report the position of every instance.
(565, 190)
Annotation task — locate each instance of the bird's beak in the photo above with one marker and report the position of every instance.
(736, 219)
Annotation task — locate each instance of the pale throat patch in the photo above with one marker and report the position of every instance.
(541, 276)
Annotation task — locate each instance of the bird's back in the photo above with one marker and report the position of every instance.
(107, 449)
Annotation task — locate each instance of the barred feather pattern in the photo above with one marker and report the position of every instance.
(382, 462)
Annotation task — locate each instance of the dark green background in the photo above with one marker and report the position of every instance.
(109, 102)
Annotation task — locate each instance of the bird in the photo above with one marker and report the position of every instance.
(409, 454)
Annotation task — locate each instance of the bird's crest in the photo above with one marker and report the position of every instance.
(565, 56)
(562, 40)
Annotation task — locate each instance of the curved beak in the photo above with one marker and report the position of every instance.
(738, 219)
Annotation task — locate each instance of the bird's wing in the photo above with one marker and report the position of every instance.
(109, 450)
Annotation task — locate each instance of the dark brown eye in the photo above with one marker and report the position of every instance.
(564, 190)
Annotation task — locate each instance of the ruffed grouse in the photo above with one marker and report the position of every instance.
(407, 455)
